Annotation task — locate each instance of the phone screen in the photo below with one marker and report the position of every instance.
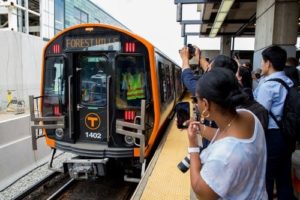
(182, 114)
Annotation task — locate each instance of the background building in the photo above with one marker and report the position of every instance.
(22, 19)
(25, 27)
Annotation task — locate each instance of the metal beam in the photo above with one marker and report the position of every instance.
(242, 28)
(179, 12)
(228, 21)
(195, 1)
(191, 22)
(182, 30)
(207, 33)
(206, 1)
(193, 33)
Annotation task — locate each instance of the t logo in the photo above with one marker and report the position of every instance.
(92, 121)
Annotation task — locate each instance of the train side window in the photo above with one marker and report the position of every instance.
(178, 84)
(54, 79)
(131, 81)
(165, 82)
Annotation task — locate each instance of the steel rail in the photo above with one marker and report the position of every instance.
(36, 185)
(60, 191)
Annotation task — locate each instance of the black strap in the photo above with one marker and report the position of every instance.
(274, 118)
(282, 82)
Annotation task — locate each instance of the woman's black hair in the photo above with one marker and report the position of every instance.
(221, 86)
(224, 62)
(245, 73)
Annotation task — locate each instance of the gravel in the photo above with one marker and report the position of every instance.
(32, 177)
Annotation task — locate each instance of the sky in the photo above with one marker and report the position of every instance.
(155, 20)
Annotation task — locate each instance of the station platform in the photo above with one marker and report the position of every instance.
(16, 153)
(162, 179)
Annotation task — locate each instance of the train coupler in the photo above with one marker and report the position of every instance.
(86, 168)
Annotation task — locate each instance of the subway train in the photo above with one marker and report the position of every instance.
(105, 95)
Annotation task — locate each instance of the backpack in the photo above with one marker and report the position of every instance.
(290, 121)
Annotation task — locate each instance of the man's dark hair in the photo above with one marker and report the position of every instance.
(225, 62)
(276, 55)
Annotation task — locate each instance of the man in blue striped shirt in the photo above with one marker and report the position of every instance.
(272, 94)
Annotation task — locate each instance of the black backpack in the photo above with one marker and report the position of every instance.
(290, 121)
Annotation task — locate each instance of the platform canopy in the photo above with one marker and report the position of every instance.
(220, 17)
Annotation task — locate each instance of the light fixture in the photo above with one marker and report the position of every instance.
(217, 25)
(221, 15)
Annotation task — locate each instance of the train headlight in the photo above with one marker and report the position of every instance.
(59, 132)
(129, 140)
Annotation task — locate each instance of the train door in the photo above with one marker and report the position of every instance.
(92, 94)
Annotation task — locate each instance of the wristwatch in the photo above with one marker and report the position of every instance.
(194, 149)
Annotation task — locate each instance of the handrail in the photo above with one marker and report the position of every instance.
(38, 126)
(107, 106)
(139, 127)
(70, 105)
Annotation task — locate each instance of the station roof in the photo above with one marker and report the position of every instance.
(240, 20)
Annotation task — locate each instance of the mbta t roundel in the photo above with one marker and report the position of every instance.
(92, 121)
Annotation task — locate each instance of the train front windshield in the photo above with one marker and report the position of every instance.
(131, 81)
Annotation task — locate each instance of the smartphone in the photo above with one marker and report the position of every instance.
(182, 114)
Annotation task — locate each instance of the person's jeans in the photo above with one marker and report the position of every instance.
(278, 166)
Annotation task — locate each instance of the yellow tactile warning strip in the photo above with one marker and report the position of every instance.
(167, 181)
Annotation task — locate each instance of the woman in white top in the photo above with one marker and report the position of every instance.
(233, 166)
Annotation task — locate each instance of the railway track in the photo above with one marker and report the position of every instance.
(61, 186)
(105, 188)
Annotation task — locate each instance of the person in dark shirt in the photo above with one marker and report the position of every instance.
(291, 70)
(244, 77)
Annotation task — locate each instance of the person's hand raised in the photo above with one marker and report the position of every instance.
(193, 129)
(184, 54)
(197, 53)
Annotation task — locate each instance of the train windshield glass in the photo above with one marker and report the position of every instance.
(54, 80)
(131, 84)
(93, 79)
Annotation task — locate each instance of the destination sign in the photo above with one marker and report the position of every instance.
(96, 43)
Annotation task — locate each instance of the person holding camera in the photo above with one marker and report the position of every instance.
(189, 80)
(233, 165)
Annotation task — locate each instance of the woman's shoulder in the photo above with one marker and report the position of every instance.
(249, 117)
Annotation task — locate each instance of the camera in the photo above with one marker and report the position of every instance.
(184, 165)
(257, 75)
(192, 51)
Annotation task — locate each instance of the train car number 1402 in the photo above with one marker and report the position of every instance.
(93, 135)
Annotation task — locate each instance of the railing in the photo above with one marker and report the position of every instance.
(38, 126)
(120, 124)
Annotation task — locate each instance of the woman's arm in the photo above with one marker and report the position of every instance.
(202, 190)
